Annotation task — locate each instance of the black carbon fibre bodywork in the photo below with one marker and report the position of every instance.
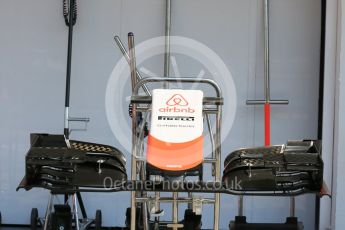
(296, 165)
(56, 162)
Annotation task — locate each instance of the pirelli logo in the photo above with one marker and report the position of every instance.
(175, 118)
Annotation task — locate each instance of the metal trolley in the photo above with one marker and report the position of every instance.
(140, 109)
(141, 104)
(212, 106)
(68, 212)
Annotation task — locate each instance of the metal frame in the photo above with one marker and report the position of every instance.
(138, 154)
(80, 224)
(138, 161)
(137, 148)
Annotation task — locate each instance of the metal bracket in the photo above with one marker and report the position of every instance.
(100, 162)
(175, 226)
(272, 102)
(84, 120)
(213, 169)
(152, 204)
(156, 213)
(197, 205)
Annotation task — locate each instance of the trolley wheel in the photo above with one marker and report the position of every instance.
(191, 220)
(34, 219)
(98, 220)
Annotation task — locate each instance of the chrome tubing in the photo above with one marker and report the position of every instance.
(167, 41)
(134, 128)
(182, 80)
(126, 55)
(267, 50)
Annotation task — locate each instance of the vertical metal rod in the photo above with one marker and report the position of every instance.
(267, 120)
(218, 166)
(134, 129)
(292, 207)
(81, 205)
(69, 67)
(48, 211)
(216, 211)
(75, 210)
(132, 62)
(175, 209)
(209, 125)
(240, 206)
(190, 205)
(133, 212)
(267, 101)
(145, 217)
(126, 55)
(140, 150)
(143, 194)
(167, 41)
(267, 50)
(157, 209)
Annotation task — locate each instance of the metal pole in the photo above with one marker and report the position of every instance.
(126, 55)
(240, 206)
(75, 210)
(218, 166)
(132, 62)
(48, 211)
(167, 41)
(134, 128)
(267, 50)
(267, 108)
(267, 88)
(267, 100)
(81, 205)
(175, 210)
(144, 209)
(292, 207)
(69, 67)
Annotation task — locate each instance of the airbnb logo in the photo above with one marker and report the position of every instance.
(174, 104)
(177, 99)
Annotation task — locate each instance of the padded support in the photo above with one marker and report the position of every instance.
(176, 139)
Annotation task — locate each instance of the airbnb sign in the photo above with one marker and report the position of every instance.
(175, 103)
(177, 99)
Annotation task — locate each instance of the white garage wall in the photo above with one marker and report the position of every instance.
(33, 44)
(329, 107)
(338, 207)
